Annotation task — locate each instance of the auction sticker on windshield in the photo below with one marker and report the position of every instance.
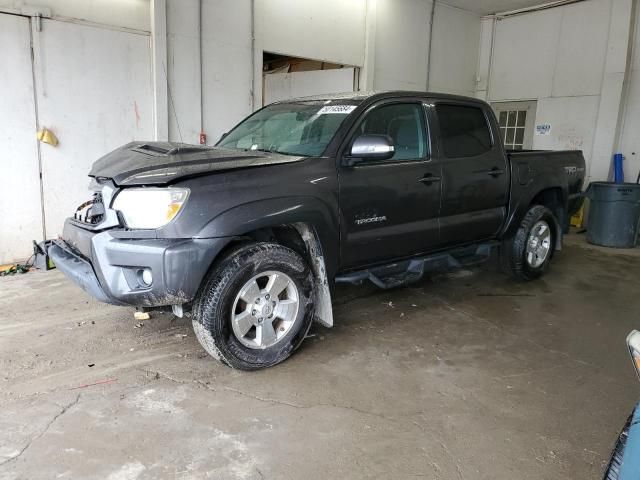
(344, 109)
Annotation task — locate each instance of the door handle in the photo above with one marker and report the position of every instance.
(429, 179)
(495, 172)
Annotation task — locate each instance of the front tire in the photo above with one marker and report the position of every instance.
(526, 255)
(255, 307)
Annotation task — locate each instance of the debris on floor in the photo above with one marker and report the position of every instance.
(14, 268)
(141, 316)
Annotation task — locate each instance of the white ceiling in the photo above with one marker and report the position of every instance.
(486, 7)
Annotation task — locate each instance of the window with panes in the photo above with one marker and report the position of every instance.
(512, 127)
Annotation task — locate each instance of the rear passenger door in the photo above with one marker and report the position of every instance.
(475, 178)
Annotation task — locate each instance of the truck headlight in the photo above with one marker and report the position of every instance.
(150, 207)
(633, 341)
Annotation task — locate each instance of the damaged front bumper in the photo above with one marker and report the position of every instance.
(111, 268)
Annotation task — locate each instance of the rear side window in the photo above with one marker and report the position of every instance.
(464, 130)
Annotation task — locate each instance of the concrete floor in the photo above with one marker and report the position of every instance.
(463, 376)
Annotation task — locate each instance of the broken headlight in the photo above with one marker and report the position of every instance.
(150, 207)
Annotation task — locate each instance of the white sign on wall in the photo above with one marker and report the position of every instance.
(543, 129)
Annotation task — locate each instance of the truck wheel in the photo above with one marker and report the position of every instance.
(255, 307)
(526, 255)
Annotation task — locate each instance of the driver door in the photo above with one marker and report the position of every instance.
(390, 208)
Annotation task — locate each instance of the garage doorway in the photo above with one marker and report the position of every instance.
(91, 86)
(286, 77)
(516, 121)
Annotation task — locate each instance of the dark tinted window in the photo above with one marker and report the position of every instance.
(404, 123)
(464, 130)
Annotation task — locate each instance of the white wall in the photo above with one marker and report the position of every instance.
(88, 68)
(402, 46)
(329, 30)
(20, 201)
(333, 33)
(183, 70)
(226, 67)
(630, 144)
(387, 39)
(454, 55)
(570, 59)
(118, 13)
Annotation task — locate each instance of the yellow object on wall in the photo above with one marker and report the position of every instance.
(47, 136)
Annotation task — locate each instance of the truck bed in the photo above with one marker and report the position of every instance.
(559, 167)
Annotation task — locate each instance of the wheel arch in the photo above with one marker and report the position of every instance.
(254, 218)
(302, 224)
(553, 198)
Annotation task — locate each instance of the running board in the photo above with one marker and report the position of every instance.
(410, 271)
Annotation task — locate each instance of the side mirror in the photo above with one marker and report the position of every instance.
(222, 137)
(371, 147)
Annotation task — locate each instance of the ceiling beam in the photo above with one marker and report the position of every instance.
(536, 8)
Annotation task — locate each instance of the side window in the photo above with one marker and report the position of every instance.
(404, 123)
(464, 130)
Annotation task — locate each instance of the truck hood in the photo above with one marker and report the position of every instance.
(160, 163)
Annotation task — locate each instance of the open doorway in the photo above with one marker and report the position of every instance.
(285, 77)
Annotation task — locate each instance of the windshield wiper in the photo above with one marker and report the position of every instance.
(266, 150)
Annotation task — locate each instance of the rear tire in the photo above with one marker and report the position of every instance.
(526, 255)
(255, 307)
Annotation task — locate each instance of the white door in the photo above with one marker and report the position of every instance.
(94, 92)
(20, 201)
(282, 86)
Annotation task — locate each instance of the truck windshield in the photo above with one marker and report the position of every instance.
(300, 128)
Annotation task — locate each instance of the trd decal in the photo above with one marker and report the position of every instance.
(573, 170)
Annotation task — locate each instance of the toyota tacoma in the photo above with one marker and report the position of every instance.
(248, 238)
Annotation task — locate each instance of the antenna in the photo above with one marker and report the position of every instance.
(173, 107)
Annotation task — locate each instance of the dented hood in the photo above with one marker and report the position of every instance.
(160, 163)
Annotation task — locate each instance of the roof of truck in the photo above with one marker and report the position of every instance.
(377, 95)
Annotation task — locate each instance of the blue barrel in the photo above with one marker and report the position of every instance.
(614, 214)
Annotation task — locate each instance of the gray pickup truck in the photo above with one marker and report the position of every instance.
(250, 236)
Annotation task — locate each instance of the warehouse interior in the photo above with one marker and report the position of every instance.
(464, 375)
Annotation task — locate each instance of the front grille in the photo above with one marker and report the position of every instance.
(91, 212)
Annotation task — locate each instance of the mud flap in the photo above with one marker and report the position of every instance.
(321, 292)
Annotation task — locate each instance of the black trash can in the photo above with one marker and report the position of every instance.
(614, 214)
